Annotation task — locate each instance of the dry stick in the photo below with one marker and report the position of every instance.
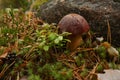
(67, 64)
(76, 74)
(97, 58)
(55, 50)
(16, 45)
(78, 77)
(8, 78)
(29, 57)
(5, 69)
(18, 76)
(109, 32)
(68, 60)
(80, 50)
(28, 54)
(92, 72)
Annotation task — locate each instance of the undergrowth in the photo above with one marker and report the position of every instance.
(33, 49)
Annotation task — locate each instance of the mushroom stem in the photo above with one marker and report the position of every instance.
(75, 42)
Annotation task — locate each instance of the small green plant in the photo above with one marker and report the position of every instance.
(99, 68)
(48, 37)
(101, 51)
(34, 44)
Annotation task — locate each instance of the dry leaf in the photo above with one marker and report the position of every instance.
(109, 75)
(3, 55)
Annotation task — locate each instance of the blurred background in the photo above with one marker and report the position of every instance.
(25, 5)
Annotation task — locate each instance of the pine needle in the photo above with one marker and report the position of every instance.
(109, 32)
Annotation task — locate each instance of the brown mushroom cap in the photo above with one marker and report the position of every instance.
(73, 23)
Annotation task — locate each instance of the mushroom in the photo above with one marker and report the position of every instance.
(77, 26)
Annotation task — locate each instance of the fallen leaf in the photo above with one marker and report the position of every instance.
(109, 75)
(3, 55)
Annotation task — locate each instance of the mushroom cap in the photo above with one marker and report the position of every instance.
(73, 23)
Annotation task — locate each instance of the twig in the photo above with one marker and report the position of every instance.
(6, 68)
(77, 76)
(92, 72)
(67, 64)
(109, 32)
(81, 50)
(18, 76)
(28, 54)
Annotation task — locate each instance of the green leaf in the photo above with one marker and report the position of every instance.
(56, 41)
(7, 10)
(46, 48)
(60, 38)
(52, 36)
(84, 73)
(46, 26)
(42, 44)
(65, 34)
(77, 59)
(67, 40)
(99, 68)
